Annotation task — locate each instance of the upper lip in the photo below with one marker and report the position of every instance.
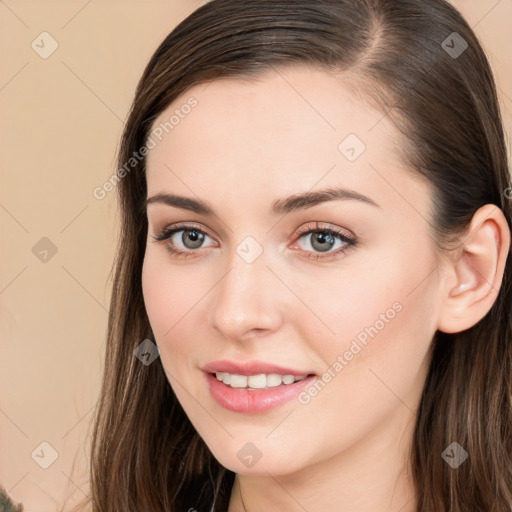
(251, 368)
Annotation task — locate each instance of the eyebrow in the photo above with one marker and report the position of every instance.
(289, 204)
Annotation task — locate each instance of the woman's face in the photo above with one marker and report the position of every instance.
(342, 287)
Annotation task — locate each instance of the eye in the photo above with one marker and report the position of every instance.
(183, 240)
(322, 240)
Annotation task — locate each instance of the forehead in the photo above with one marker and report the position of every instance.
(280, 133)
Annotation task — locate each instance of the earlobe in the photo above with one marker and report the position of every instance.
(477, 271)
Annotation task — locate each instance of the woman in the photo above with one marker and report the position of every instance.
(311, 304)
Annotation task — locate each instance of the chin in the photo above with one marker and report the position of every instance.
(261, 468)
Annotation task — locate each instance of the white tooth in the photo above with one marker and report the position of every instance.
(288, 379)
(238, 381)
(257, 381)
(273, 380)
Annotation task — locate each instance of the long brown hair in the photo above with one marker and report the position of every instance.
(441, 95)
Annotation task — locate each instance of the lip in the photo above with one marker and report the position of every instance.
(253, 400)
(251, 368)
(256, 400)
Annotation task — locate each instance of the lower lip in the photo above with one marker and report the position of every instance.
(254, 400)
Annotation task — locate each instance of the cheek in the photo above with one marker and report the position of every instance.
(162, 302)
(375, 365)
(172, 297)
(384, 323)
(157, 292)
(377, 317)
(170, 291)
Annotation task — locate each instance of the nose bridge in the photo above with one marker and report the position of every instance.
(246, 297)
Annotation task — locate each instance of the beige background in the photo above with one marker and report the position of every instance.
(61, 119)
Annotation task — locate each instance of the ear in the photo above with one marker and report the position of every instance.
(476, 271)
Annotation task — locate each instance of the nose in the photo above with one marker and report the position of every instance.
(247, 301)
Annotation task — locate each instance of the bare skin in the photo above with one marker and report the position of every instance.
(244, 146)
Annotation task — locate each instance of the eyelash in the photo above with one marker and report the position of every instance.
(168, 232)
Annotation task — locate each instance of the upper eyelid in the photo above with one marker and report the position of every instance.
(317, 227)
(302, 230)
